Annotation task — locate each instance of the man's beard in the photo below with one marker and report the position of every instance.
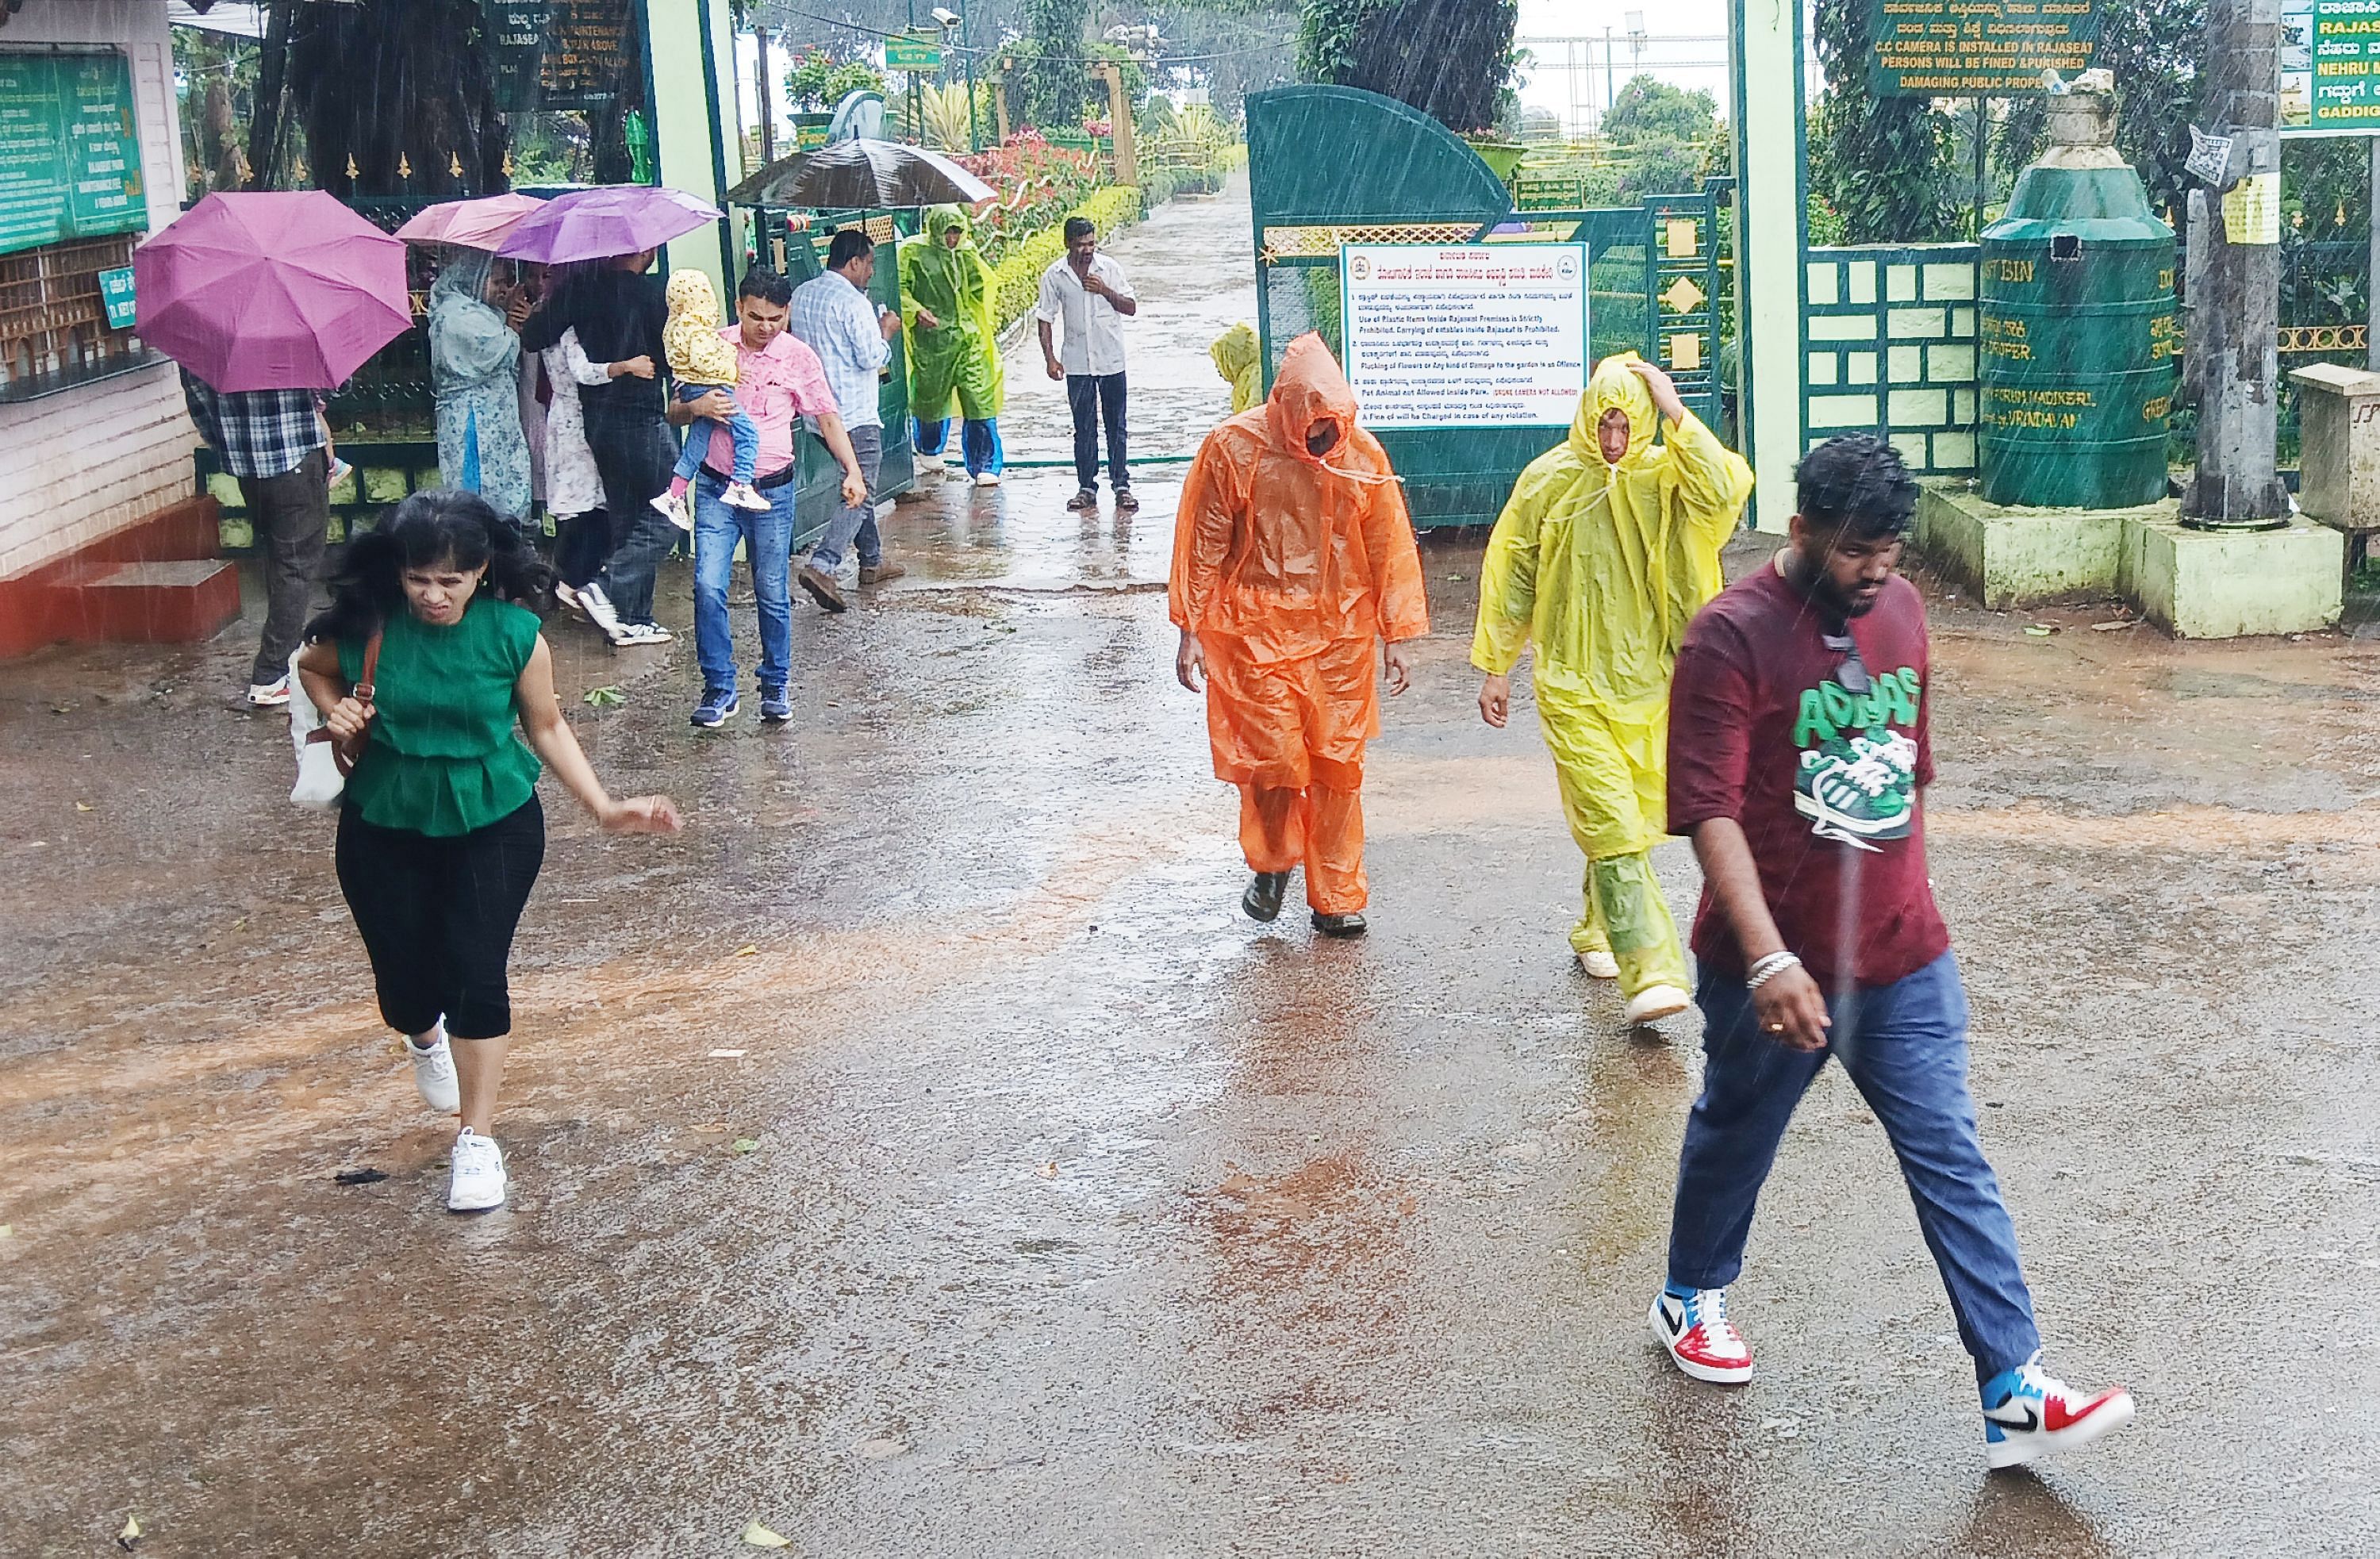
(1815, 582)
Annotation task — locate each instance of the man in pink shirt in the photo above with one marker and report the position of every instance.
(779, 381)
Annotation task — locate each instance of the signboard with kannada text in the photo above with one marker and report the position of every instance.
(117, 295)
(69, 155)
(1976, 48)
(920, 52)
(2330, 68)
(1482, 336)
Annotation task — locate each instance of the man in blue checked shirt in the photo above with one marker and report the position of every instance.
(275, 445)
(835, 317)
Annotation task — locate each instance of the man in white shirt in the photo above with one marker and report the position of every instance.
(1087, 292)
(833, 316)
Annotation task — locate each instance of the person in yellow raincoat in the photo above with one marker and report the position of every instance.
(1235, 355)
(1293, 558)
(946, 306)
(1608, 547)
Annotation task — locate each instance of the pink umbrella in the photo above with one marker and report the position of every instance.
(611, 219)
(481, 223)
(271, 291)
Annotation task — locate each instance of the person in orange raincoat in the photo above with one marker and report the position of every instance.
(1293, 557)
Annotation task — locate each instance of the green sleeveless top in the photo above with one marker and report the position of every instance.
(444, 757)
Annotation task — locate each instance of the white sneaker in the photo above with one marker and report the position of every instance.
(598, 607)
(743, 495)
(268, 694)
(1655, 1002)
(479, 1182)
(927, 464)
(673, 507)
(633, 634)
(1699, 1337)
(433, 1074)
(987, 479)
(1599, 966)
(2037, 1414)
(568, 599)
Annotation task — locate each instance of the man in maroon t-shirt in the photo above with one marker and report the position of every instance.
(1799, 751)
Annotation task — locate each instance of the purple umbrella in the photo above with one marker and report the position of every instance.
(612, 219)
(271, 291)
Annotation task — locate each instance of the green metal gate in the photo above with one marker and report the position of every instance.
(1332, 166)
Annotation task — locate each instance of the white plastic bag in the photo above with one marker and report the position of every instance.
(320, 784)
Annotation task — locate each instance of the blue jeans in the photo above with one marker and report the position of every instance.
(768, 538)
(850, 526)
(1093, 398)
(979, 441)
(1905, 1048)
(740, 429)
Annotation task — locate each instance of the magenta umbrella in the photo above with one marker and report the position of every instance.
(609, 220)
(271, 291)
(481, 223)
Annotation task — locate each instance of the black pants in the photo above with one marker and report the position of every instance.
(583, 541)
(634, 454)
(437, 916)
(1092, 397)
(291, 515)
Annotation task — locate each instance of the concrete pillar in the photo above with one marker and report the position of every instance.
(698, 129)
(1765, 69)
(2237, 316)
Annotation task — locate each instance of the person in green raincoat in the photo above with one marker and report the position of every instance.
(1236, 358)
(1608, 547)
(946, 298)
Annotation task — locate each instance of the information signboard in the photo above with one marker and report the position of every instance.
(516, 32)
(1976, 48)
(117, 295)
(585, 56)
(69, 154)
(1482, 336)
(2330, 68)
(920, 52)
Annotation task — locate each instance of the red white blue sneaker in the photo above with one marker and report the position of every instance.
(2028, 1415)
(1694, 1328)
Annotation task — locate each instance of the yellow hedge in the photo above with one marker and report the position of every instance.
(1016, 280)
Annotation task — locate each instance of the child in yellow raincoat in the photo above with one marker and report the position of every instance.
(1294, 561)
(1235, 355)
(1608, 547)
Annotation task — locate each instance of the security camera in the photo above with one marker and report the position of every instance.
(947, 18)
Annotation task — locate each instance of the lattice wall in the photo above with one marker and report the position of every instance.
(1889, 346)
(52, 324)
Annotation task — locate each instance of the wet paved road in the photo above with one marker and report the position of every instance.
(1088, 1218)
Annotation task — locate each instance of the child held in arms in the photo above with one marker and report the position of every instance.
(701, 361)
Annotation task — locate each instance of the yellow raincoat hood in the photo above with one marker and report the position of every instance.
(1235, 355)
(1614, 387)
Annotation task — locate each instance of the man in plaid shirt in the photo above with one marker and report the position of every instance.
(274, 442)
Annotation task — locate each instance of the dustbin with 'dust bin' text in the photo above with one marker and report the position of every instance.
(2080, 340)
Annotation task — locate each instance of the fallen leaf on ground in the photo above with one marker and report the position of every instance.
(2038, 630)
(747, 1144)
(8, 1231)
(360, 1176)
(757, 1536)
(2110, 627)
(726, 1056)
(82, 806)
(130, 1535)
(605, 698)
(747, 950)
(1047, 1171)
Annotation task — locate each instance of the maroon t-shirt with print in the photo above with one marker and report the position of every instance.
(1825, 783)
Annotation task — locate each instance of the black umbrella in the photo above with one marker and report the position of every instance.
(862, 175)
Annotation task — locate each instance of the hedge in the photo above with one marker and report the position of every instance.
(1016, 280)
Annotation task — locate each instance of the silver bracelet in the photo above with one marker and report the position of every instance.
(1768, 969)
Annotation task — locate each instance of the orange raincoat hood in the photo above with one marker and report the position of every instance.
(1309, 389)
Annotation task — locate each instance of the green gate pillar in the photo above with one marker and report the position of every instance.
(1765, 59)
(697, 124)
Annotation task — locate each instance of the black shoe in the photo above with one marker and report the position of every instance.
(1349, 924)
(1262, 901)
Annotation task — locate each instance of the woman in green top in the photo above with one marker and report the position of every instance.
(441, 834)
